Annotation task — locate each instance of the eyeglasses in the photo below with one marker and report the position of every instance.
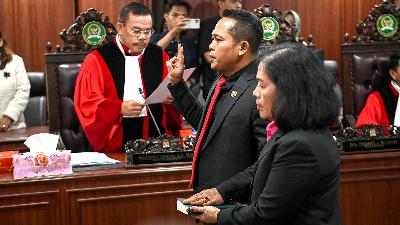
(136, 32)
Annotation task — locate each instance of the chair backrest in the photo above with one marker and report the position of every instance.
(368, 69)
(36, 111)
(62, 68)
(61, 72)
(365, 56)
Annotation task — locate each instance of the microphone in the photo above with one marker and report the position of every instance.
(151, 114)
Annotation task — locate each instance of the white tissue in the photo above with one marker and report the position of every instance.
(43, 142)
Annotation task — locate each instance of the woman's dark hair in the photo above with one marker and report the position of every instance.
(305, 96)
(247, 27)
(136, 8)
(5, 53)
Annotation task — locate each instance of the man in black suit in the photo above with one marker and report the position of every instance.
(295, 180)
(206, 27)
(234, 133)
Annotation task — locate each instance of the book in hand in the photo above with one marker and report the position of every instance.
(185, 208)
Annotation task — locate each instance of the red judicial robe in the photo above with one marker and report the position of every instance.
(99, 93)
(379, 108)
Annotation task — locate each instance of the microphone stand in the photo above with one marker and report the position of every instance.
(151, 114)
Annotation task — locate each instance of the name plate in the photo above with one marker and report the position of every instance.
(163, 149)
(159, 157)
(373, 144)
(369, 138)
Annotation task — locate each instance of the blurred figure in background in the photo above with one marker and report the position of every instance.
(14, 88)
(176, 14)
(294, 19)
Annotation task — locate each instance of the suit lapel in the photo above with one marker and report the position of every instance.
(269, 144)
(207, 104)
(240, 86)
(266, 150)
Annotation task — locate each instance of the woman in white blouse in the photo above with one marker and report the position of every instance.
(14, 88)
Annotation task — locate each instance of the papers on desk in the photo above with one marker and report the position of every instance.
(161, 93)
(91, 159)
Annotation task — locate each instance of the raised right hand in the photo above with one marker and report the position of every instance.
(176, 66)
(131, 108)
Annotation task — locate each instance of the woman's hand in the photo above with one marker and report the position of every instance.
(5, 123)
(209, 213)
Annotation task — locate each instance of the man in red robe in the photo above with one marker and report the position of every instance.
(114, 80)
(382, 106)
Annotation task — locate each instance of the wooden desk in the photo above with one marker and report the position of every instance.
(369, 194)
(146, 195)
(14, 139)
(370, 188)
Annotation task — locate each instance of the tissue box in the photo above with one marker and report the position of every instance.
(42, 164)
(6, 160)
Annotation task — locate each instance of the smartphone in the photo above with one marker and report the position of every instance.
(193, 23)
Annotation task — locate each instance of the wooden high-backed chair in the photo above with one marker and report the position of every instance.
(287, 32)
(62, 68)
(364, 59)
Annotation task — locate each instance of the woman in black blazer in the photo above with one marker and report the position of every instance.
(296, 177)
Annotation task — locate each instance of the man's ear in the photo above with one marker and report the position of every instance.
(244, 47)
(119, 27)
(165, 17)
(392, 74)
(219, 3)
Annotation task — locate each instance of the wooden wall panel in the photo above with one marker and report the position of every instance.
(29, 24)
(203, 9)
(110, 8)
(326, 20)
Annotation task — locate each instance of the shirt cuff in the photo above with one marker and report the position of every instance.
(179, 89)
(226, 190)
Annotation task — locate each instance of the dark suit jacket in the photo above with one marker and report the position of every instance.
(236, 135)
(294, 181)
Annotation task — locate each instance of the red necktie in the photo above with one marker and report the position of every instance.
(210, 111)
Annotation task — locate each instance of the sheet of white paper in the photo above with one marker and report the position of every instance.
(91, 158)
(161, 93)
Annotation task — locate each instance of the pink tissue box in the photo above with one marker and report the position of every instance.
(41, 164)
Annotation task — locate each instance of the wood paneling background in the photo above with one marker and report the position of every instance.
(326, 20)
(110, 8)
(29, 24)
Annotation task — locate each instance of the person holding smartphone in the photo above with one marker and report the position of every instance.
(176, 18)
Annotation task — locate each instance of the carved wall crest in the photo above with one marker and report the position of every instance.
(276, 28)
(381, 25)
(90, 30)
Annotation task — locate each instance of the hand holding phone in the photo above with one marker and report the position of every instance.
(193, 23)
